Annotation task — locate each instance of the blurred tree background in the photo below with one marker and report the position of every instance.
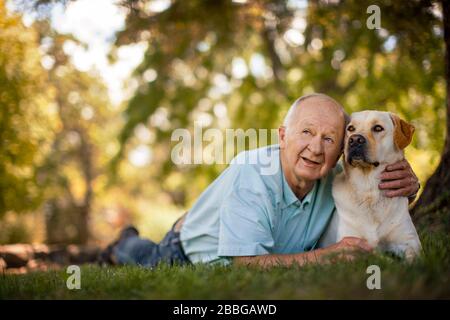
(219, 63)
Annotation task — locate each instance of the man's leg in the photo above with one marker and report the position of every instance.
(144, 252)
(135, 250)
(170, 249)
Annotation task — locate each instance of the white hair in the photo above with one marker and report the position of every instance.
(288, 118)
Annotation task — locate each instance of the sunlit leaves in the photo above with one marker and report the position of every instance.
(24, 116)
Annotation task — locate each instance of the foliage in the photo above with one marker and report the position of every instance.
(24, 116)
(194, 49)
(52, 130)
(75, 159)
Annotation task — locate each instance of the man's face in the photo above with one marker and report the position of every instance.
(311, 145)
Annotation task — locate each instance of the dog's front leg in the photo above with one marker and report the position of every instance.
(404, 240)
(408, 250)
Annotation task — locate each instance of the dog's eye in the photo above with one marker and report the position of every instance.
(377, 128)
(350, 128)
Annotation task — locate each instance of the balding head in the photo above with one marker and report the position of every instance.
(320, 97)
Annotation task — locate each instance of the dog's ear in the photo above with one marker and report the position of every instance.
(403, 132)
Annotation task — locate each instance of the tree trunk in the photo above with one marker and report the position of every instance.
(85, 154)
(436, 194)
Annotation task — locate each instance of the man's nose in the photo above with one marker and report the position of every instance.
(316, 145)
(356, 140)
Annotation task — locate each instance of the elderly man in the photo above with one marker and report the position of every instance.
(248, 217)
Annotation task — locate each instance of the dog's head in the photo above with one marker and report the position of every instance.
(375, 137)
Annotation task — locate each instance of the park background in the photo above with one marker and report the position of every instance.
(91, 91)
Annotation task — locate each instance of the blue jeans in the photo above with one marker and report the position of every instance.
(146, 253)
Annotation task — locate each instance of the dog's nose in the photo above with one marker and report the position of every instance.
(356, 140)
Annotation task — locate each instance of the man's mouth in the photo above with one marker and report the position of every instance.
(310, 162)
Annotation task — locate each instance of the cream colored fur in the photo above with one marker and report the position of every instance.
(362, 209)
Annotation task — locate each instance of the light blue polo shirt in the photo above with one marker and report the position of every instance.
(247, 211)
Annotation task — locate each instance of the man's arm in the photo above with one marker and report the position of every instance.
(346, 248)
(399, 180)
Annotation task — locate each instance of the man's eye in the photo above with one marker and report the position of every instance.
(306, 131)
(350, 128)
(329, 140)
(377, 128)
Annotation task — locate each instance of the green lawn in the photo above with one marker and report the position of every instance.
(428, 277)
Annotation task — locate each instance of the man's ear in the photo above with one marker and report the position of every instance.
(403, 132)
(282, 136)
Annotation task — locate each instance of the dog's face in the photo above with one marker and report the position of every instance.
(375, 137)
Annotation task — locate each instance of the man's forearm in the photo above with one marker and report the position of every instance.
(272, 260)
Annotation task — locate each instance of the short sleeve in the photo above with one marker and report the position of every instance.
(245, 227)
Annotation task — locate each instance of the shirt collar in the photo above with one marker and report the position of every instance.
(289, 196)
(309, 196)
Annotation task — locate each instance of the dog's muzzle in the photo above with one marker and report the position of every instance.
(356, 150)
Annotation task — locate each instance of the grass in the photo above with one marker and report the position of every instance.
(426, 278)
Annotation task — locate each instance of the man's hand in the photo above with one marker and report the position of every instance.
(351, 244)
(348, 247)
(399, 180)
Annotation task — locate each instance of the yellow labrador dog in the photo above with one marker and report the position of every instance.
(373, 140)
